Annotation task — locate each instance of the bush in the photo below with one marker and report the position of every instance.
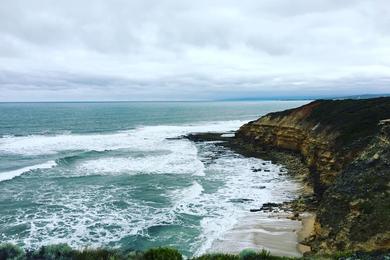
(10, 251)
(217, 257)
(98, 254)
(247, 254)
(54, 252)
(65, 252)
(162, 253)
(262, 255)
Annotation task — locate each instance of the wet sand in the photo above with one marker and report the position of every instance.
(275, 233)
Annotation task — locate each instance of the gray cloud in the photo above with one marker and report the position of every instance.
(151, 50)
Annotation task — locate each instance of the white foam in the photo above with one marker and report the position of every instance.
(186, 200)
(176, 157)
(165, 164)
(228, 135)
(85, 218)
(86, 215)
(148, 138)
(12, 174)
(240, 182)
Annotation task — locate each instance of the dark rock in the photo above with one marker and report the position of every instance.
(270, 206)
(240, 200)
(174, 138)
(206, 137)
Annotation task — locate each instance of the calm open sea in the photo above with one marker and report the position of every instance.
(110, 174)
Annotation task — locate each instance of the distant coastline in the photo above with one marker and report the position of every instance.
(251, 98)
(310, 97)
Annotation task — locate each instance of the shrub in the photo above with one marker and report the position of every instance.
(99, 254)
(248, 254)
(162, 253)
(217, 257)
(262, 255)
(10, 251)
(54, 252)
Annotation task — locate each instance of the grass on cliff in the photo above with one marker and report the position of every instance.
(65, 252)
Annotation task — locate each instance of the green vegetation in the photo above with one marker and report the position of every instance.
(103, 254)
(162, 253)
(217, 257)
(246, 254)
(10, 251)
(60, 251)
(65, 252)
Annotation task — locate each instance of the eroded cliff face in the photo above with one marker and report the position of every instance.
(355, 211)
(292, 131)
(345, 144)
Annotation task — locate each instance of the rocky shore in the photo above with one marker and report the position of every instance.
(341, 150)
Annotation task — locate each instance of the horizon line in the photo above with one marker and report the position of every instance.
(276, 98)
(162, 101)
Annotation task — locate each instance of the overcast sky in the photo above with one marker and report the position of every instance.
(187, 50)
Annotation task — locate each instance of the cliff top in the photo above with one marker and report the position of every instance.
(355, 121)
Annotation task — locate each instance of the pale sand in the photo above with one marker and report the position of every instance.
(308, 220)
(258, 231)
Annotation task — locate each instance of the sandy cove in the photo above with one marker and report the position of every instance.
(274, 232)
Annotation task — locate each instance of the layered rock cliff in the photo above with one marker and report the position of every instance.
(345, 143)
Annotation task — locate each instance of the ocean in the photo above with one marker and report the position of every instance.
(115, 174)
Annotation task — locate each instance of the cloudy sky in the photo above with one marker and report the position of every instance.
(188, 50)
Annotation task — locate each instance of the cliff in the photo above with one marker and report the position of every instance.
(345, 144)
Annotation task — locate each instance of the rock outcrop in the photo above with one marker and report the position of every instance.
(345, 143)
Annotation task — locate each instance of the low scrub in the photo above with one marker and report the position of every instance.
(162, 253)
(10, 251)
(65, 252)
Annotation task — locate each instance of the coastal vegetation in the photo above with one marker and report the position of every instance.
(65, 252)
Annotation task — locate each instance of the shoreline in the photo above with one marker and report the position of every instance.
(274, 233)
(278, 233)
(281, 229)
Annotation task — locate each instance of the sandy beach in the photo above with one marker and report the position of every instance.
(275, 233)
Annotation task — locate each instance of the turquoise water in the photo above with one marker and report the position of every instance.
(113, 174)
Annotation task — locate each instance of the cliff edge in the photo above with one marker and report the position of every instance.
(346, 145)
